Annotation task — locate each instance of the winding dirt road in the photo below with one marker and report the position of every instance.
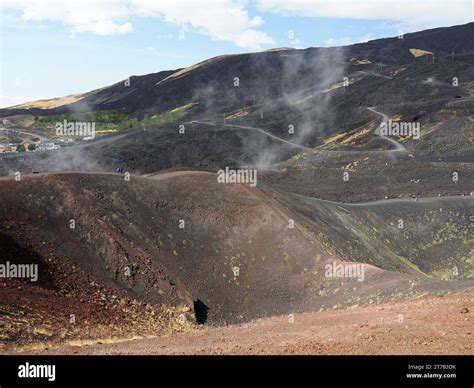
(398, 146)
(253, 129)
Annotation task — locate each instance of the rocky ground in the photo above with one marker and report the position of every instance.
(171, 247)
(440, 324)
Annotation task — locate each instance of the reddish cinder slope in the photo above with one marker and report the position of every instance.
(430, 325)
(226, 251)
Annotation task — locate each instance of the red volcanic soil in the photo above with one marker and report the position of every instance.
(128, 270)
(430, 325)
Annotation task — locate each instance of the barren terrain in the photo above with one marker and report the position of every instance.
(142, 250)
(440, 324)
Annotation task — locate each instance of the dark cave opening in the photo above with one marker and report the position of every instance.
(200, 311)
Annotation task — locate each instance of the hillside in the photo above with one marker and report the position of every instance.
(135, 235)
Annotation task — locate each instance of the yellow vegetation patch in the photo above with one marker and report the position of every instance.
(352, 166)
(360, 61)
(332, 87)
(185, 107)
(332, 140)
(281, 49)
(443, 274)
(335, 86)
(419, 53)
(304, 99)
(355, 136)
(298, 156)
(468, 85)
(347, 137)
(105, 131)
(238, 114)
(51, 103)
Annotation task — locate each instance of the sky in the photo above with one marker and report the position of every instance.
(52, 48)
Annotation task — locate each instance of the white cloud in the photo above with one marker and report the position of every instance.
(224, 20)
(252, 39)
(415, 14)
(94, 16)
(229, 20)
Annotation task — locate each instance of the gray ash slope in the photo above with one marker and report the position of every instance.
(273, 74)
(135, 224)
(290, 87)
(131, 242)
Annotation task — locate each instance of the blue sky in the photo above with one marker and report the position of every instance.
(52, 48)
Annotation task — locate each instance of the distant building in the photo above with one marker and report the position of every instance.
(47, 146)
(8, 147)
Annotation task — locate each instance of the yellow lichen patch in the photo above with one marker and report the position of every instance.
(470, 260)
(335, 86)
(185, 107)
(360, 61)
(43, 331)
(443, 274)
(332, 140)
(419, 53)
(280, 49)
(447, 232)
(330, 88)
(351, 166)
(355, 136)
(347, 138)
(105, 131)
(468, 85)
(298, 156)
(303, 99)
(238, 114)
